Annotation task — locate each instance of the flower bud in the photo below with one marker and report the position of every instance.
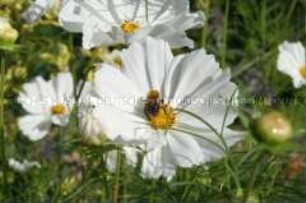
(8, 35)
(64, 56)
(59, 56)
(273, 128)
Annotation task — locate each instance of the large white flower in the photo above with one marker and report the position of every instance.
(292, 61)
(125, 21)
(140, 105)
(47, 103)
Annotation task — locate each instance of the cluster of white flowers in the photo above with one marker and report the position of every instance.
(170, 134)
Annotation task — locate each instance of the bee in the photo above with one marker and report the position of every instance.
(153, 103)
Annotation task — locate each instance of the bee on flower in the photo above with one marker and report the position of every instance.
(143, 104)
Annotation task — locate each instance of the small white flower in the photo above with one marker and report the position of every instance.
(125, 21)
(37, 9)
(47, 103)
(141, 102)
(23, 166)
(292, 61)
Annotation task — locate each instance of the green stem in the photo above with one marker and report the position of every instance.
(254, 176)
(59, 177)
(2, 130)
(153, 184)
(225, 27)
(240, 70)
(205, 6)
(291, 9)
(117, 178)
(104, 178)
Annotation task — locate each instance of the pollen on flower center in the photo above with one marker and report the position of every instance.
(58, 109)
(164, 119)
(302, 71)
(129, 27)
(160, 115)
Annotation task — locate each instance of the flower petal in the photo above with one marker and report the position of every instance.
(72, 15)
(61, 120)
(120, 125)
(35, 127)
(146, 63)
(37, 96)
(115, 89)
(94, 34)
(183, 148)
(215, 149)
(63, 86)
(194, 71)
(215, 108)
(158, 163)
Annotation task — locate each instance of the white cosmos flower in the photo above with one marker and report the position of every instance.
(47, 103)
(125, 21)
(292, 61)
(140, 102)
(23, 166)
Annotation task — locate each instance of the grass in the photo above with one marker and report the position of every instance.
(244, 36)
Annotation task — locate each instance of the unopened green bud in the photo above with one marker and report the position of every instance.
(59, 57)
(273, 128)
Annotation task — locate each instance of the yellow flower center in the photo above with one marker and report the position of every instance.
(58, 109)
(129, 27)
(302, 71)
(164, 119)
(160, 115)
